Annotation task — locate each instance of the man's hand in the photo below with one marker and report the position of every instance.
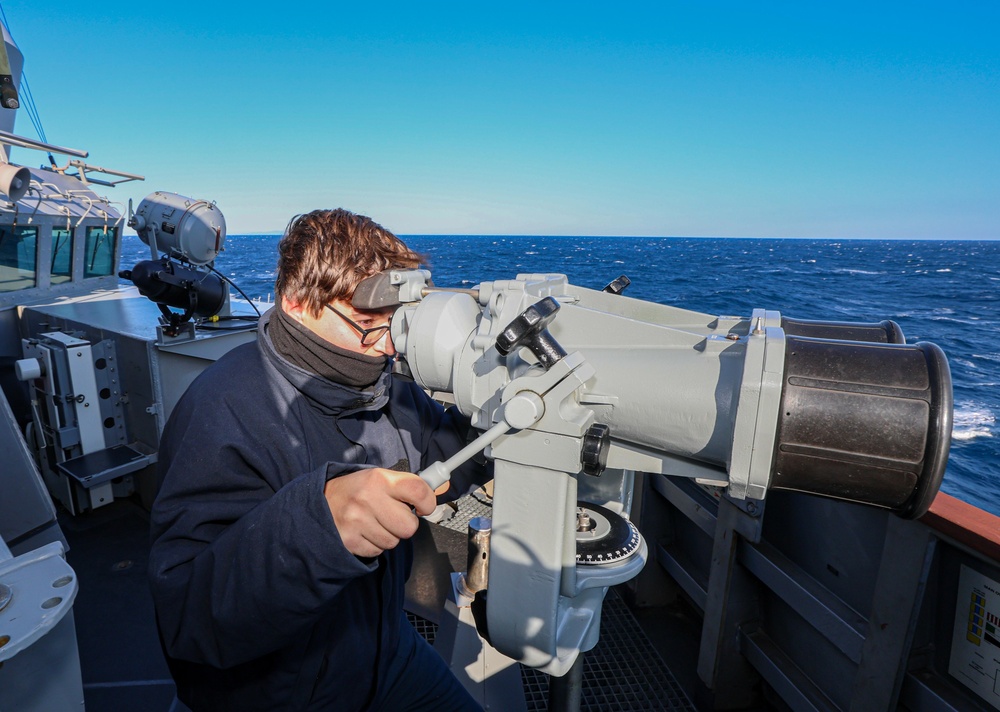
(372, 508)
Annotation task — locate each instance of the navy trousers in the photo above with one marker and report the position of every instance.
(418, 680)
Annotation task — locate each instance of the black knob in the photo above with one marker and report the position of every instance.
(594, 452)
(619, 285)
(530, 329)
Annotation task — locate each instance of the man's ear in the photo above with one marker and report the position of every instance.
(293, 309)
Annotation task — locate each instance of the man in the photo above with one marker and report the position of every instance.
(280, 531)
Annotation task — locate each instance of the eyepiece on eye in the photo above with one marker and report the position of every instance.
(391, 288)
(376, 292)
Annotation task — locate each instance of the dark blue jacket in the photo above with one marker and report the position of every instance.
(259, 605)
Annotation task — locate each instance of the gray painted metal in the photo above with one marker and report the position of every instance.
(832, 617)
(16, 60)
(623, 672)
(899, 591)
(781, 673)
(39, 639)
(682, 572)
(492, 678)
(835, 607)
(25, 506)
(730, 603)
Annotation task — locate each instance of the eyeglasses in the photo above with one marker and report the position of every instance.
(369, 337)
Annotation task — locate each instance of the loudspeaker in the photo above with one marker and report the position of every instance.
(14, 181)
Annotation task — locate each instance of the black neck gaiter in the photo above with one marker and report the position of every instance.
(309, 351)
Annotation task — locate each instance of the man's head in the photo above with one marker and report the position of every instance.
(322, 258)
(325, 254)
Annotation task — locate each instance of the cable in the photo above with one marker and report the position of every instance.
(206, 327)
(32, 109)
(234, 286)
(233, 317)
(210, 323)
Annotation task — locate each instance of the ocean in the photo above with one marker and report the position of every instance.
(943, 291)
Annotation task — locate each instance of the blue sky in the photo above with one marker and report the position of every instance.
(760, 119)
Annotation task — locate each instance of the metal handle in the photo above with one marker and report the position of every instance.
(522, 411)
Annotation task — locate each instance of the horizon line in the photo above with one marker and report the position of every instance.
(636, 237)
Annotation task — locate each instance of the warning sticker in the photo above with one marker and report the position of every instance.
(975, 642)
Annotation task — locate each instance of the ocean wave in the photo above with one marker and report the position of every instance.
(971, 421)
(845, 270)
(970, 434)
(954, 320)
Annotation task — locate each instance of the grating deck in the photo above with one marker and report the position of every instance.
(623, 673)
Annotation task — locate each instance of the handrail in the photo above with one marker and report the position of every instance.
(966, 524)
(99, 169)
(23, 142)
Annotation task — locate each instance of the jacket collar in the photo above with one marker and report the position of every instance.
(328, 396)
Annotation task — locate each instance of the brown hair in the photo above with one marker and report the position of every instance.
(325, 254)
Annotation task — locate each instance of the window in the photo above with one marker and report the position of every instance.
(17, 257)
(62, 256)
(99, 252)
